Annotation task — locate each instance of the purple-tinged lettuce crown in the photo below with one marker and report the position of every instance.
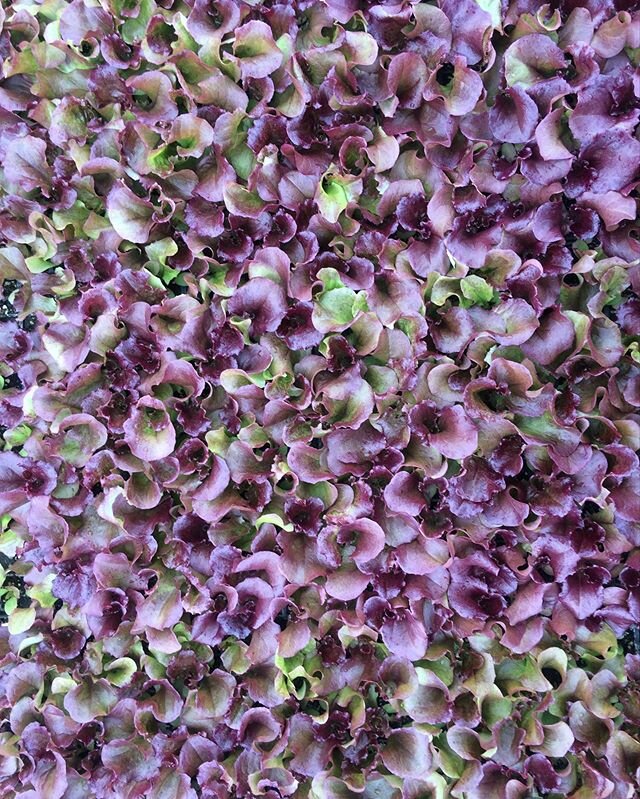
(319, 393)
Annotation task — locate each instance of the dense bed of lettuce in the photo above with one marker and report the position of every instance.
(319, 399)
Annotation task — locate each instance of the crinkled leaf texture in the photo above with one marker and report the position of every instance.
(319, 399)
